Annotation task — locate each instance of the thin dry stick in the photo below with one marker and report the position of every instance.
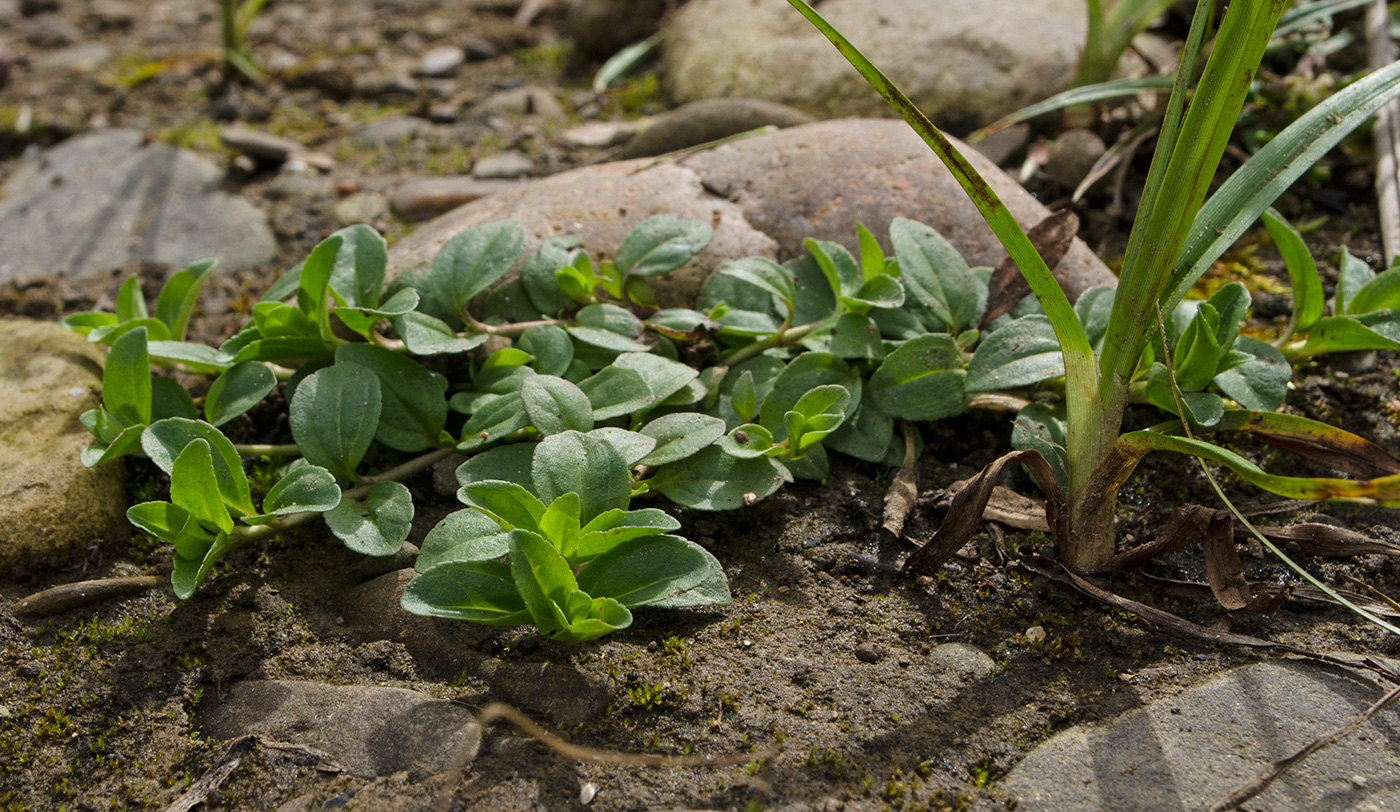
(500, 710)
(1261, 782)
(1381, 51)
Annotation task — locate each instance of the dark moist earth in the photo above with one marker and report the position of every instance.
(848, 685)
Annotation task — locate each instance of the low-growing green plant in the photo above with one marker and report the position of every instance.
(1174, 239)
(234, 18)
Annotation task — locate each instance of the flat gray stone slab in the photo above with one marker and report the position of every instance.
(1189, 751)
(368, 730)
(107, 198)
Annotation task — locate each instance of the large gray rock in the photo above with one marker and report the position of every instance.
(367, 730)
(964, 62)
(51, 507)
(1189, 751)
(103, 199)
(763, 195)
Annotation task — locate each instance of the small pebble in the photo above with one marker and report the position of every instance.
(442, 61)
(508, 164)
(1035, 635)
(870, 653)
(587, 793)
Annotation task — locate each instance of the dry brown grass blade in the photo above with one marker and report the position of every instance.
(1223, 570)
(1052, 238)
(1004, 507)
(1315, 538)
(904, 486)
(1261, 782)
(1166, 620)
(966, 511)
(1184, 526)
(1381, 51)
(215, 776)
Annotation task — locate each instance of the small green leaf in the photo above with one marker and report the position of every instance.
(681, 435)
(1349, 333)
(1202, 408)
(508, 504)
(170, 399)
(510, 463)
(682, 324)
(357, 276)
(714, 480)
(499, 417)
(280, 349)
(878, 292)
(1022, 352)
(585, 464)
(240, 388)
(872, 256)
(1302, 272)
(195, 487)
(163, 520)
(537, 277)
(745, 399)
(131, 302)
(164, 441)
(935, 273)
(176, 300)
(1381, 293)
(363, 319)
(593, 618)
(313, 288)
(543, 579)
(616, 391)
(475, 591)
(555, 405)
(378, 525)
(550, 348)
(663, 377)
(748, 441)
(473, 260)
(84, 323)
(712, 590)
(612, 527)
(866, 435)
(661, 244)
(922, 379)
(189, 573)
(765, 274)
(425, 335)
(1352, 275)
(303, 489)
(644, 570)
(466, 535)
(413, 407)
(815, 415)
(126, 380)
(560, 525)
(631, 446)
(125, 441)
(805, 373)
(837, 265)
(1093, 307)
(334, 416)
(1043, 428)
(856, 337)
(1197, 352)
(764, 370)
(1261, 383)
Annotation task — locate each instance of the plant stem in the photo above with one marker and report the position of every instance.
(785, 336)
(507, 330)
(257, 450)
(395, 474)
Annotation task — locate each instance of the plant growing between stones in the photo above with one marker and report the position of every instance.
(585, 405)
(1175, 237)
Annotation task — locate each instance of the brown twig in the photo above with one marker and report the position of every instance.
(1381, 51)
(500, 710)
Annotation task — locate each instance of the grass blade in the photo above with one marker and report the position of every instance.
(1255, 186)
(1103, 91)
